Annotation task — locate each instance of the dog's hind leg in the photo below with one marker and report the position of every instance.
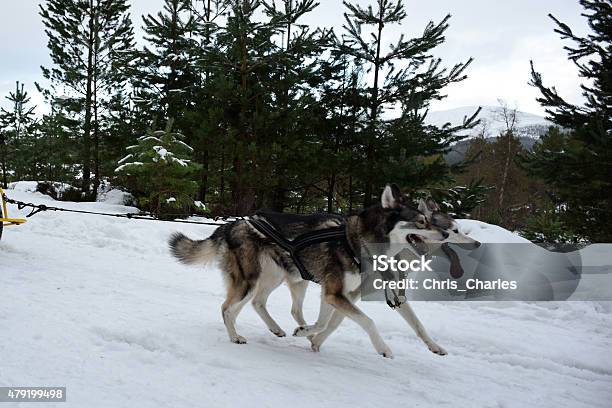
(298, 292)
(237, 297)
(408, 314)
(268, 281)
(242, 275)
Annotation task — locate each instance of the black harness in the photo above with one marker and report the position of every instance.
(294, 246)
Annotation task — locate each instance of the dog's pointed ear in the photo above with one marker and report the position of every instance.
(428, 207)
(423, 208)
(432, 205)
(391, 196)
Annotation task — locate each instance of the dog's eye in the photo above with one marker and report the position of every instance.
(456, 231)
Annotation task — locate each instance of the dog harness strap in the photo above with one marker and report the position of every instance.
(269, 231)
(293, 247)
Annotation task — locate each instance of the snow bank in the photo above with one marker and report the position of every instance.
(97, 304)
(116, 196)
(32, 186)
(488, 233)
(25, 186)
(52, 189)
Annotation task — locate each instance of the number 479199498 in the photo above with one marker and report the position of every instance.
(32, 394)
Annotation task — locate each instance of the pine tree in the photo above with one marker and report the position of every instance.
(165, 78)
(4, 156)
(578, 169)
(158, 170)
(296, 78)
(91, 43)
(460, 201)
(265, 91)
(16, 135)
(58, 146)
(202, 115)
(344, 100)
(173, 77)
(406, 78)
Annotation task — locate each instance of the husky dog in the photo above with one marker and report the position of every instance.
(253, 265)
(451, 234)
(448, 226)
(445, 223)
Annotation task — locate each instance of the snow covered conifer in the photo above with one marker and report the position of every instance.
(159, 172)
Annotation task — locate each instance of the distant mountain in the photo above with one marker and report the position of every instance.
(529, 127)
(491, 121)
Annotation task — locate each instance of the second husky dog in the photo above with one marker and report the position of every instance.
(253, 265)
(451, 235)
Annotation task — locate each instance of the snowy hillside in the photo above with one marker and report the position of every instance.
(528, 124)
(97, 304)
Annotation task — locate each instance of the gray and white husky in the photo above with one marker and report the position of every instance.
(254, 265)
(451, 234)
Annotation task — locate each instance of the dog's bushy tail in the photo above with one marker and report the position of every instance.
(190, 251)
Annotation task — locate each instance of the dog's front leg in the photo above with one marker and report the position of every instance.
(317, 340)
(408, 314)
(346, 307)
(336, 319)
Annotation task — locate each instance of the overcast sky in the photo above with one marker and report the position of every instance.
(502, 36)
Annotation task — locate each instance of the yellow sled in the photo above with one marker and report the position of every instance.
(4, 218)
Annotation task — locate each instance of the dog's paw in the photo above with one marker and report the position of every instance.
(384, 350)
(279, 333)
(314, 344)
(302, 331)
(239, 340)
(434, 348)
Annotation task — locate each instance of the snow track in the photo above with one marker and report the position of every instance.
(98, 305)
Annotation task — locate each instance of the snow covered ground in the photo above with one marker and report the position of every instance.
(96, 304)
